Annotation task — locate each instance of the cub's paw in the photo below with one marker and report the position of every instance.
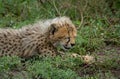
(87, 59)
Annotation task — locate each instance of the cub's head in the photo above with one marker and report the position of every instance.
(62, 33)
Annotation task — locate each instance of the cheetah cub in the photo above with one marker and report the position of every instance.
(40, 38)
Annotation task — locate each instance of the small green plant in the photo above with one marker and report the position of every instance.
(7, 63)
(50, 68)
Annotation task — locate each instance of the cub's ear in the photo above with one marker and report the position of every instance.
(53, 29)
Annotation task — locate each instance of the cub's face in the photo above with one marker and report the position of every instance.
(63, 35)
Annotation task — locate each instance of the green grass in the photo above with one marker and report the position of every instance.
(98, 35)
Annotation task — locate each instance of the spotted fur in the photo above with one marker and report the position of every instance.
(41, 38)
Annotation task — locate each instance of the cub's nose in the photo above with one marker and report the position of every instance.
(72, 44)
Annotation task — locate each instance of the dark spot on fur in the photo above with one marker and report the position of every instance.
(53, 51)
(8, 49)
(41, 48)
(2, 52)
(45, 55)
(15, 44)
(45, 51)
(45, 47)
(5, 54)
(42, 45)
(39, 45)
(2, 41)
(33, 44)
(10, 43)
(48, 52)
(5, 35)
(41, 39)
(52, 54)
(10, 54)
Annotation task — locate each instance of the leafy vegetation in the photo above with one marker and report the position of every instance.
(98, 23)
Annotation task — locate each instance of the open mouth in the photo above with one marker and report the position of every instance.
(64, 47)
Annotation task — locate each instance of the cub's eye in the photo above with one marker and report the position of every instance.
(67, 38)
